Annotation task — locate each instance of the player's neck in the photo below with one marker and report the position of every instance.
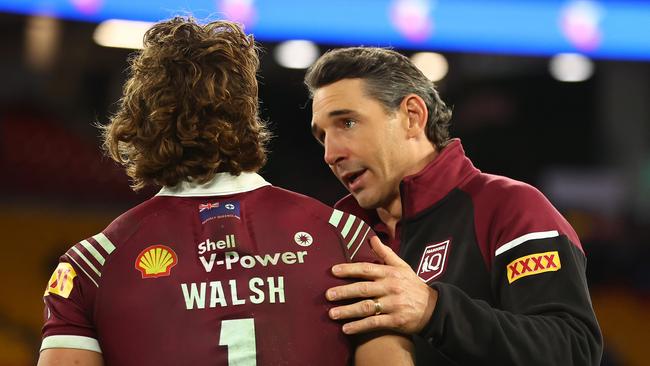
(391, 214)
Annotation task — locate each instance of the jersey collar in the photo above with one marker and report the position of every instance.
(222, 184)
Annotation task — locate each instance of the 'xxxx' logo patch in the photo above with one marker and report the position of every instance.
(61, 282)
(533, 264)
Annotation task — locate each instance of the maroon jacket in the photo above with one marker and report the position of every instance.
(235, 270)
(509, 269)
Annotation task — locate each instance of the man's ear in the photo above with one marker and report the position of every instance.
(417, 113)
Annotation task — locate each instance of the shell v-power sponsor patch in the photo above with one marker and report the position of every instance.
(533, 264)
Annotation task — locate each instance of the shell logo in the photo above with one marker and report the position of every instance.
(156, 261)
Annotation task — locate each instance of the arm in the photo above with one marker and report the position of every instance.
(542, 317)
(69, 356)
(548, 322)
(387, 349)
(376, 348)
(69, 337)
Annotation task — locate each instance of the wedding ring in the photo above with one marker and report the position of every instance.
(378, 307)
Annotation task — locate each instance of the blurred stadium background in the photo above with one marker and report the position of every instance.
(554, 93)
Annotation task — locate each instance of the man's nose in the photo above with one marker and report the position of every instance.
(334, 152)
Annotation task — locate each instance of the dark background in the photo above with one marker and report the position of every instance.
(585, 145)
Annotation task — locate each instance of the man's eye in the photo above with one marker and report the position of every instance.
(349, 123)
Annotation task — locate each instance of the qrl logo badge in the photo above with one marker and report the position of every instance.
(434, 260)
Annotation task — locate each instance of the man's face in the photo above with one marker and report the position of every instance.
(364, 145)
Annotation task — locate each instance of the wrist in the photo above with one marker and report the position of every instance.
(429, 309)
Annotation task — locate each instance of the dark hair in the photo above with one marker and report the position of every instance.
(388, 77)
(190, 106)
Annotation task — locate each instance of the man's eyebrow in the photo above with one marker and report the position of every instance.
(340, 112)
(335, 113)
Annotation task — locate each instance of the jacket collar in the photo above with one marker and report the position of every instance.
(221, 185)
(450, 169)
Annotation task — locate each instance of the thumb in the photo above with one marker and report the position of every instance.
(386, 254)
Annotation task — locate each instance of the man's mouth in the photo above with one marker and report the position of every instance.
(350, 179)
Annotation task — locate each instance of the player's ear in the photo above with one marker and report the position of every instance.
(416, 110)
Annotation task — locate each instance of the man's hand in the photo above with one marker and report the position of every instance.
(407, 303)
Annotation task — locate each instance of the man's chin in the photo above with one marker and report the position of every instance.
(365, 200)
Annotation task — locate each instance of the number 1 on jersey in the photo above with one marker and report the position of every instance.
(239, 336)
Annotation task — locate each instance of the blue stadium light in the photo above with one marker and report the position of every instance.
(599, 29)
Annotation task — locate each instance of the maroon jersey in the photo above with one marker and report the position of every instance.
(228, 273)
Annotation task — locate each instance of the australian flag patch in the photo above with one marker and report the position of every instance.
(218, 210)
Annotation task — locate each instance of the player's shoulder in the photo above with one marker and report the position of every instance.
(289, 206)
(91, 254)
(353, 232)
(132, 220)
(283, 201)
(95, 250)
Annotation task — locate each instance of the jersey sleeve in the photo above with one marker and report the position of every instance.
(543, 313)
(70, 296)
(355, 237)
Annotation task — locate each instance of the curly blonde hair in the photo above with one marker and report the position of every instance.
(190, 106)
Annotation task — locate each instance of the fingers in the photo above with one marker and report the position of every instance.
(366, 271)
(367, 310)
(386, 254)
(371, 271)
(355, 290)
(368, 324)
(360, 309)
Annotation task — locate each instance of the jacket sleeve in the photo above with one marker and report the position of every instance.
(541, 311)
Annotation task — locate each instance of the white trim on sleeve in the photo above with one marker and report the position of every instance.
(360, 243)
(524, 238)
(336, 217)
(71, 341)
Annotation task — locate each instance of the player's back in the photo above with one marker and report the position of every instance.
(231, 275)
